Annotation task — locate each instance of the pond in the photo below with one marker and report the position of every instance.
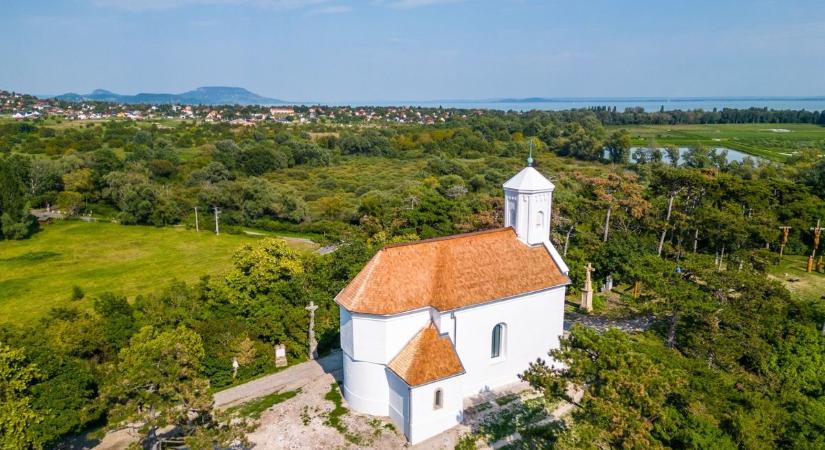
(732, 155)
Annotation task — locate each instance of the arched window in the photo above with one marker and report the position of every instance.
(540, 219)
(438, 401)
(498, 341)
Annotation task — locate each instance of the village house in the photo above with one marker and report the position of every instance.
(427, 324)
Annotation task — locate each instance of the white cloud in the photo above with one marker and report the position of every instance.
(149, 5)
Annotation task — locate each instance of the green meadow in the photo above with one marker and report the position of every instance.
(791, 271)
(40, 273)
(772, 141)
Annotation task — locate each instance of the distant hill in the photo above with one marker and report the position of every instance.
(208, 95)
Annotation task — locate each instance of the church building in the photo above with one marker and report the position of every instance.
(426, 324)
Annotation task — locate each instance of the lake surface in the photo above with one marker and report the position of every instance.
(732, 156)
(648, 103)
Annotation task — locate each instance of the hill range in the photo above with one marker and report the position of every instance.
(208, 95)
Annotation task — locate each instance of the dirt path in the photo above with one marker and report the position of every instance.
(602, 323)
(288, 379)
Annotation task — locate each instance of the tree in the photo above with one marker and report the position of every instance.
(69, 202)
(117, 319)
(618, 146)
(672, 152)
(627, 399)
(156, 382)
(16, 414)
(15, 220)
(617, 190)
(44, 175)
(815, 177)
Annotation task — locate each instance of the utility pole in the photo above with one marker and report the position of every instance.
(197, 227)
(785, 230)
(217, 227)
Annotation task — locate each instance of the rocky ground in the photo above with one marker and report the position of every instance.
(312, 421)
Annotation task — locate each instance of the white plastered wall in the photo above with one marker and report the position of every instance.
(425, 420)
(369, 343)
(533, 324)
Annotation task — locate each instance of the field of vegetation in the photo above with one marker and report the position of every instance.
(40, 273)
(774, 141)
(733, 359)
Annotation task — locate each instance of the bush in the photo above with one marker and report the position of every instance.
(77, 293)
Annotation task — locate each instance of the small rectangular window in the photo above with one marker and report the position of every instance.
(438, 401)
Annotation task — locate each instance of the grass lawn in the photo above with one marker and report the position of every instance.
(811, 286)
(254, 408)
(39, 273)
(760, 139)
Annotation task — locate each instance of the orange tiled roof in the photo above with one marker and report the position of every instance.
(449, 273)
(427, 357)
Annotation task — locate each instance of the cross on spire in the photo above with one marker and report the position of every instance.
(530, 157)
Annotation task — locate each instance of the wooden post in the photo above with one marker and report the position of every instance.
(313, 344)
(637, 289)
(817, 232)
(587, 292)
(197, 227)
(785, 230)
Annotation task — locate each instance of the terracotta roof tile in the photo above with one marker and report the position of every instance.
(449, 273)
(427, 357)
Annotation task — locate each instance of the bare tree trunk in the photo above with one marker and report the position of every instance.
(721, 259)
(671, 330)
(695, 240)
(607, 223)
(667, 221)
(567, 238)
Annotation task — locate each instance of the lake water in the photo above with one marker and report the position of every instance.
(648, 103)
(733, 155)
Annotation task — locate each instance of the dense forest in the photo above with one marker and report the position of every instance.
(732, 361)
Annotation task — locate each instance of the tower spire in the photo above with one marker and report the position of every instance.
(530, 157)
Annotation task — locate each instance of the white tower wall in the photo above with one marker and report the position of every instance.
(528, 199)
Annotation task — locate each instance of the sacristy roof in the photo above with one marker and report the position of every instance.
(426, 358)
(450, 273)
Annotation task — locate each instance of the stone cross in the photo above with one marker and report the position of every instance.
(587, 292)
(235, 367)
(313, 344)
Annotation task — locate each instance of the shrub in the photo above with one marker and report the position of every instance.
(77, 293)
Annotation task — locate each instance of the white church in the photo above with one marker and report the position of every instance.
(425, 325)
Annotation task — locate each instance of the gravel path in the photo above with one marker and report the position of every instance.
(601, 323)
(288, 379)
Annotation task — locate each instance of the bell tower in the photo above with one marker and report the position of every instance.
(528, 198)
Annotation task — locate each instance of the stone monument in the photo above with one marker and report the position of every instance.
(587, 292)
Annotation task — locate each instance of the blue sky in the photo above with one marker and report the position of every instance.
(348, 50)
